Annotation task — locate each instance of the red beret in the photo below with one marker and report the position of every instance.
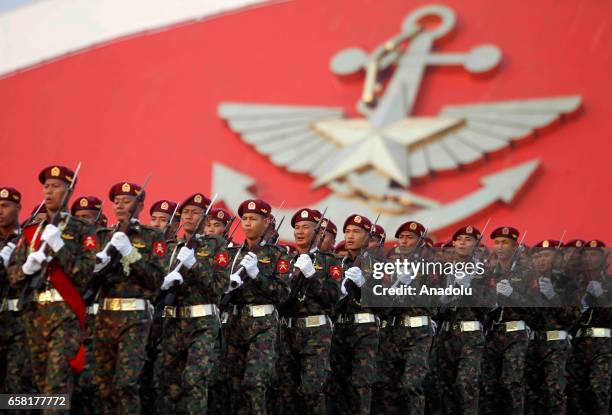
(124, 188)
(254, 206)
(310, 215)
(574, 243)
(43, 209)
(329, 226)
(86, 203)
(428, 241)
(379, 231)
(505, 232)
(197, 199)
(467, 230)
(220, 215)
(443, 244)
(56, 172)
(594, 243)
(546, 244)
(412, 226)
(340, 246)
(10, 194)
(357, 220)
(163, 206)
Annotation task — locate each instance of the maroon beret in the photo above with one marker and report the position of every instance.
(505, 232)
(197, 199)
(56, 172)
(574, 243)
(379, 231)
(412, 226)
(428, 241)
(43, 209)
(340, 246)
(10, 194)
(310, 215)
(163, 206)
(546, 244)
(329, 226)
(220, 215)
(254, 206)
(594, 243)
(467, 230)
(86, 203)
(357, 220)
(124, 189)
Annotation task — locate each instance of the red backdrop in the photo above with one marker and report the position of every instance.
(148, 104)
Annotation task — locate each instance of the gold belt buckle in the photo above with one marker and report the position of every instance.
(312, 321)
(362, 318)
(169, 311)
(258, 311)
(468, 326)
(45, 297)
(415, 321)
(599, 332)
(113, 304)
(512, 326)
(552, 335)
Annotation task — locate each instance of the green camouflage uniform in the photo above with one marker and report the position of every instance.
(121, 336)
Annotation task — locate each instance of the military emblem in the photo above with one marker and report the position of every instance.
(579, 244)
(164, 206)
(251, 205)
(357, 219)
(593, 244)
(413, 226)
(221, 259)
(55, 171)
(220, 214)
(370, 163)
(505, 231)
(304, 214)
(335, 272)
(83, 202)
(90, 242)
(545, 244)
(126, 187)
(159, 248)
(4, 193)
(469, 229)
(282, 266)
(197, 199)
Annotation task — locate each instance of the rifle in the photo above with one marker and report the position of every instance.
(168, 227)
(363, 253)
(37, 280)
(297, 278)
(101, 271)
(99, 215)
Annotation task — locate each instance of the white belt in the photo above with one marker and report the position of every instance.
(260, 310)
(48, 296)
(415, 321)
(12, 304)
(192, 311)
(596, 332)
(124, 304)
(93, 309)
(309, 321)
(358, 318)
(553, 335)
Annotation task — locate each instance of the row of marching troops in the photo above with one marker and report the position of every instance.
(133, 318)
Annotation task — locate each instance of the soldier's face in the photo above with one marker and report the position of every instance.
(190, 217)
(572, 257)
(122, 205)
(407, 239)
(354, 236)
(464, 244)
(253, 225)
(328, 242)
(214, 227)
(504, 247)
(303, 233)
(54, 190)
(543, 260)
(9, 213)
(88, 216)
(374, 241)
(159, 220)
(593, 259)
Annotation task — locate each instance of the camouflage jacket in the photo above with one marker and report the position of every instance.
(351, 303)
(553, 313)
(76, 258)
(139, 274)
(6, 290)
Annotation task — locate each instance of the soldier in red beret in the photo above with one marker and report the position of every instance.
(87, 208)
(307, 331)
(162, 212)
(340, 249)
(259, 270)
(217, 222)
(63, 255)
(328, 231)
(39, 213)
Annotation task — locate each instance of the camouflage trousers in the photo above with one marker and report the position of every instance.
(120, 351)
(503, 367)
(16, 376)
(188, 360)
(218, 387)
(250, 360)
(589, 370)
(53, 335)
(546, 376)
(150, 390)
(86, 395)
(303, 367)
(354, 367)
(459, 358)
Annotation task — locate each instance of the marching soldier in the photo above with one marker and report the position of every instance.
(259, 284)
(16, 376)
(306, 331)
(63, 256)
(132, 271)
(507, 337)
(191, 323)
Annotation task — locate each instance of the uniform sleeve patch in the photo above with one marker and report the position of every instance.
(282, 266)
(159, 248)
(222, 259)
(335, 272)
(90, 242)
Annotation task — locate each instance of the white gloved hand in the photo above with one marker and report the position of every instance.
(354, 274)
(122, 243)
(504, 288)
(343, 290)
(34, 262)
(235, 282)
(6, 253)
(187, 257)
(405, 277)
(304, 263)
(53, 237)
(170, 278)
(102, 260)
(465, 280)
(249, 262)
(546, 287)
(594, 288)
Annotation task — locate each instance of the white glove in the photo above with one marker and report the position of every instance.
(122, 243)
(405, 278)
(546, 287)
(249, 262)
(354, 274)
(170, 278)
(53, 237)
(594, 288)
(465, 280)
(34, 262)
(235, 282)
(6, 253)
(187, 257)
(343, 290)
(504, 288)
(304, 263)
(102, 260)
